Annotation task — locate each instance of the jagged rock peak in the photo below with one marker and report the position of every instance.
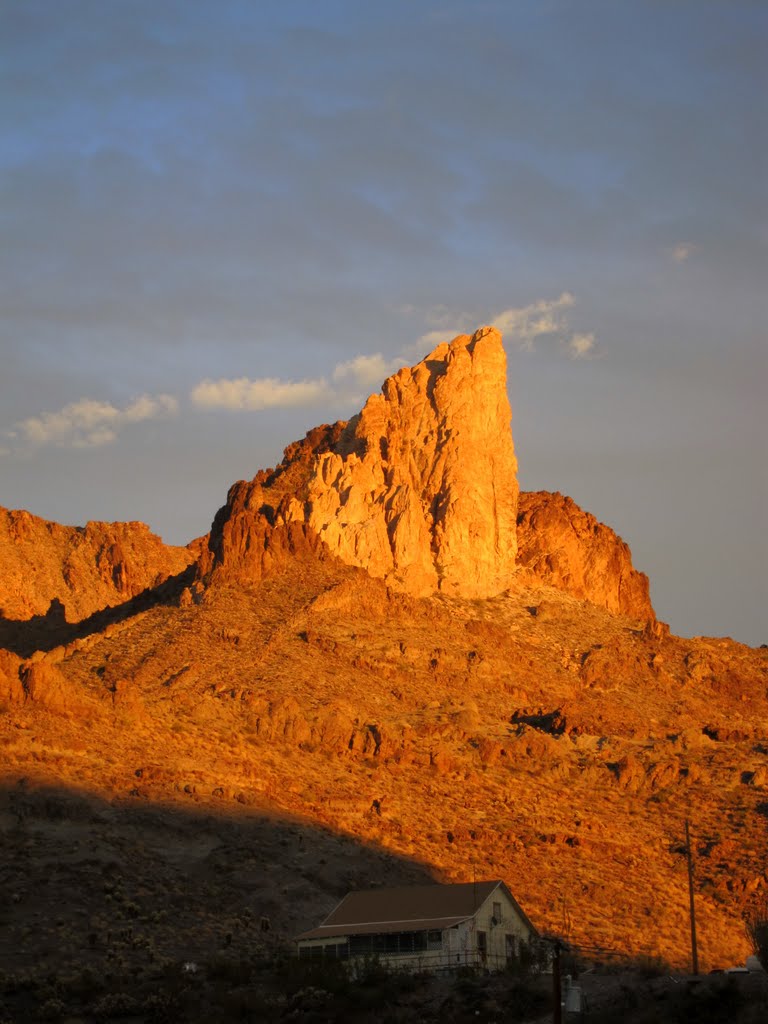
(81, 569)
(420, 488)
(569, 549)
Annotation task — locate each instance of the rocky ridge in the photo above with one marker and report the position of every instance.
(328, 667)
(73, 571)
(419, 489)
(568, 548)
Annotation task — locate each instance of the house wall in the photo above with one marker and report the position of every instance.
(510, 924)
(459, 945)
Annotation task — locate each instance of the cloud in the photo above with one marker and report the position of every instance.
(432, 339)
(90, 423)
(261, 393)
(682, 251)
(352, 380)
(524, 325)
(366, 371)
(545, 318)
(580, 345)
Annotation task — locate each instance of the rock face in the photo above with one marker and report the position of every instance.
(419, 489)
(569, 549)
(74, 571)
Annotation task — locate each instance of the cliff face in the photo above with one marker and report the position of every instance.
(532, 733)
(568, 548)
(83, 569)
(419, 489)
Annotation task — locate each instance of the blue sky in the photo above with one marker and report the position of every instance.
(210, 211)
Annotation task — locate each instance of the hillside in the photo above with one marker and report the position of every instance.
(329, 698)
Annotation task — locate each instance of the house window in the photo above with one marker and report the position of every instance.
(387, 943)
(509, 947)
(435, 939)
(497, 913)
(482, 946)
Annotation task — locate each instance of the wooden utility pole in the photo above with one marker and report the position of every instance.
(694, 951)
(557, 993)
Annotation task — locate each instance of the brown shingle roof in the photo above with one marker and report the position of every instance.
(408, 908)
(381, 927)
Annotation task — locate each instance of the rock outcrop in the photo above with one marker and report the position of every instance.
(423, 488)
(70, 572)
(11, 689)
(419, 489)
(568, 548)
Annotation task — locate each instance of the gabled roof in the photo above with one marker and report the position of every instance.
(409, 908)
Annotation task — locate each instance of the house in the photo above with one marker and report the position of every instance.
(425, 927)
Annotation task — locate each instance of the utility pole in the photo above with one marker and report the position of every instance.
(557, 993)
(694, 951)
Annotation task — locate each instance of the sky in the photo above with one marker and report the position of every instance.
(223, 222)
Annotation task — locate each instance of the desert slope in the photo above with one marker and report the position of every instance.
(382, 640)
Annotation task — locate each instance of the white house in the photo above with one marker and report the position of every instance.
(425, 927)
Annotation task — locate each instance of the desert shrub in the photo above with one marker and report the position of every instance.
(52, 1009)
(83, 985)
(709, 1004)
(114, 1004)
(756, 926)
(469, 989)
(163, 1007)
(233, 969)
(525, 1000)
(533, 958)
(245, 1004)
(20, 982)
(292, 975)
(650, 966)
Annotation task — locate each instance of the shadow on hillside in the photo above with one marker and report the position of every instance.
(138, 882)
(44, 632)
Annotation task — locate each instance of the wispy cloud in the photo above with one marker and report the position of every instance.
(259, 393)
(351, 380)
(581, 345)
(682, 251)
(90, 423)
(368, 371)
(522, 326)
(434, 338)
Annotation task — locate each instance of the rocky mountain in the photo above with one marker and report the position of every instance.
(383, 663)
(569, 549)
(78, 569)
(420, 489)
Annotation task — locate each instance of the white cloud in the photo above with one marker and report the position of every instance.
(149, 407)
(522, 326)
(89, 423)
(432, 339)
(580, 345)
(261, 393)
(366, 371)
(682, 251)
(358, 377)
(355, 378)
